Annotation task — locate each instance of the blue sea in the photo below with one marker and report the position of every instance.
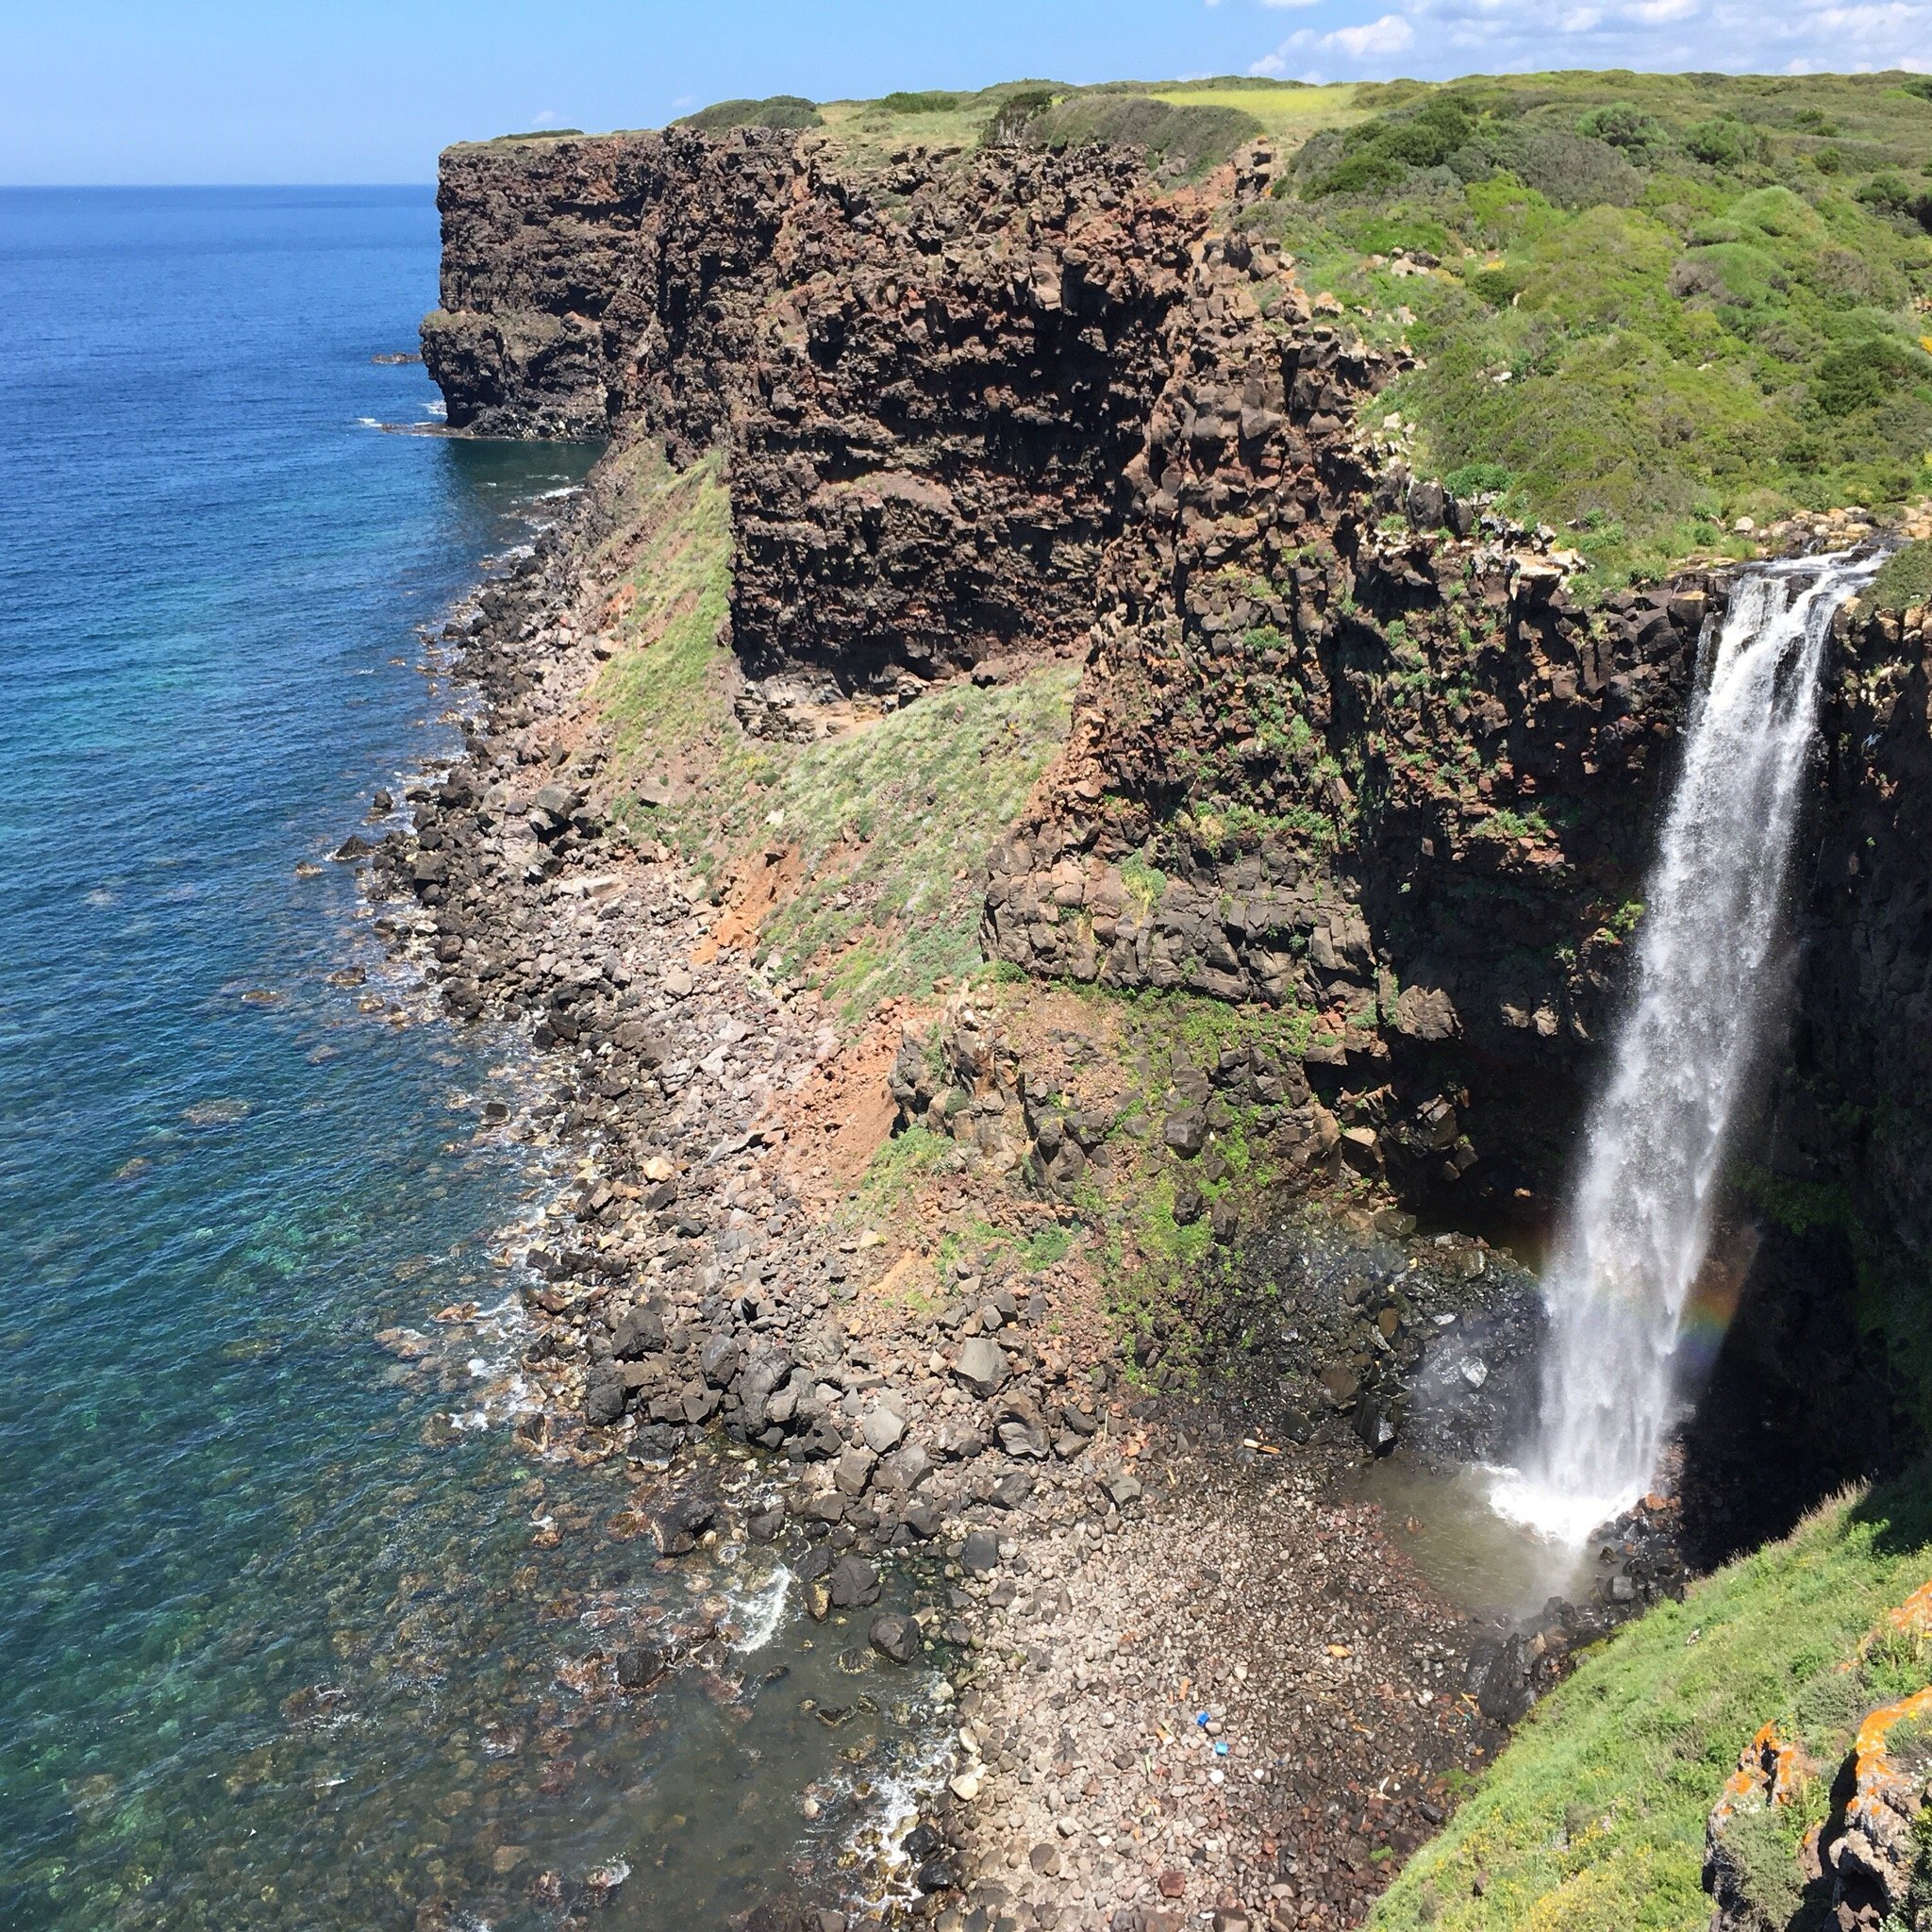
(287, 1622)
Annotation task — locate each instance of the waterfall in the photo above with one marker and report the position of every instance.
(1637, 1227)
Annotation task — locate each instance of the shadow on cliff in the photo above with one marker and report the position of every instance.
(1798, 1403)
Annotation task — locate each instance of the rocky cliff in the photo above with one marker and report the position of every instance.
(1836, 1325)
(932, 382)
(1346, 746)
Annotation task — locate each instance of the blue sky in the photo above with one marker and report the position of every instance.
(290, 91)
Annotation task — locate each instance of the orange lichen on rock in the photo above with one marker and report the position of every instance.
(1769, 1770)
(1870, 1756)
(1871, 1849)
(1913, 1618)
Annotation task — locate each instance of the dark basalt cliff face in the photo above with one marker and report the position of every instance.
(1836, 1312)
(1343, 745)
(930, 413)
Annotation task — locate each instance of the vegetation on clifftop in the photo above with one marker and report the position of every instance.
(775, 111)
(1905, 583)
(1645, 305)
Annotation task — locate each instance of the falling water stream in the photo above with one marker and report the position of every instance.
(1638, 1226)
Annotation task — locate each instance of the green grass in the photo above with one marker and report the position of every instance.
(662, 696)
(1592, 1819)
(893, 821)
(891, 1178)
(1288, 112)
(1193, 125)
(1030, 1253)
(1903, 583)
(1700, 290)
(1155, 1267)
(932, 101)
(1175, 1027)
(896, 821)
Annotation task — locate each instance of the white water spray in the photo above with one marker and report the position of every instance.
(1638, 1226)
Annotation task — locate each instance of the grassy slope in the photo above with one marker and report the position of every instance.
(893, 821)
(896, 821)
(1288, 113)
(1592, 1819)
(1725, 315)
(867, 132)
(1905, 583)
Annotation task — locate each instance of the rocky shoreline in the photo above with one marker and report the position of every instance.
(1193, 1673)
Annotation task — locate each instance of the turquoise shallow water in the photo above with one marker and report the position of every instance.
(279, 1647)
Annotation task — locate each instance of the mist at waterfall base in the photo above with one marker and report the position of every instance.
(1630, 1278)
(288, 1637)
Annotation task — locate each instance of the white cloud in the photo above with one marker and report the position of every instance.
(1367, 42)
(1391, 34)
(1440, 38)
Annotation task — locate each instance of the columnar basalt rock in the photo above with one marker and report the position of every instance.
(1010, 402)
(1345, 747)
(931, 410)
(585, 280)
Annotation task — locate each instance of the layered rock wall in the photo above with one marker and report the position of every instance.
(1344, 746)
(932, 382)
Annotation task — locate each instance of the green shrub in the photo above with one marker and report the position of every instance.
(1862, 375)
(1571, 171)
(1498, 287)
(1683, 306)
(1475, 480)
(1764, 1844)
(777, 111)
(1890, 194)
(1904, 582)
(1890, 191)
(932, 101)
(1192, 139)
(1426, 139)
(1017, 112)
(1723, 141)
(1623, 126)
(1368, 173)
